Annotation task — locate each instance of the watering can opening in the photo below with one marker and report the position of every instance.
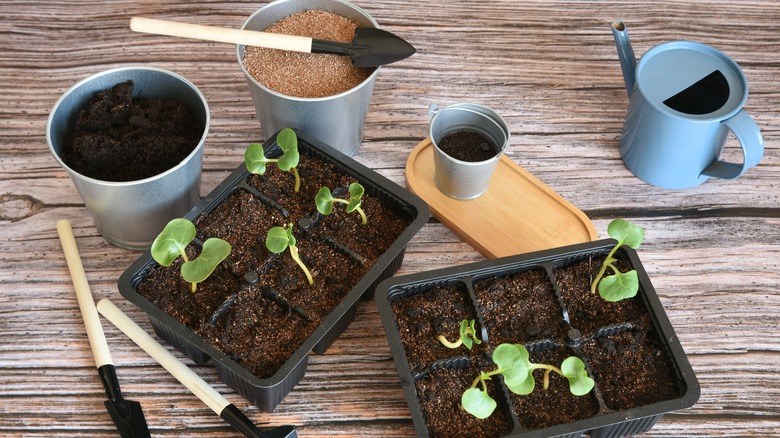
(705, 96)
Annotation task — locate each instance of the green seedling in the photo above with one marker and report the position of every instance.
(256, 161)
(468, 336)
(325, 200)
(517, 369)
(619, 285)
(281, 238)
(172, 242)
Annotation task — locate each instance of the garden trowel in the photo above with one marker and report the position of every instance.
(370, 47)
(219, 404)
(127, 414)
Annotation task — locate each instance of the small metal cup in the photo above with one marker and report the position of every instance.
(131, 214)
(462, 179)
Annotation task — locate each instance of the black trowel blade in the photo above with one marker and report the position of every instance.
(383, 47)
(128, 418)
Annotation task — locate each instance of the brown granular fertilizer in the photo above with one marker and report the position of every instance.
(307, 75)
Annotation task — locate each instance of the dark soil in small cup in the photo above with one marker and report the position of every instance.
(261, 323)
(307, 75)
(119, 137)
(468, 146)
(556, 405)
(423, 317)
(630, 368)
(520, 308)
(589, 311)
(440, 392)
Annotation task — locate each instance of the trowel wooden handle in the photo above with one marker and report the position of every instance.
(84, 295)
(181, 372)
(221, 34)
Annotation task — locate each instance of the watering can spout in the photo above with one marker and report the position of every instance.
(625, 53)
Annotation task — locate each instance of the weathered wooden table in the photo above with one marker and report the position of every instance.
(549, 67)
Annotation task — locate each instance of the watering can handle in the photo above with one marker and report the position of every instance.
(745, 129)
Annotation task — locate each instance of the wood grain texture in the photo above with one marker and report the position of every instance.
(548, 67)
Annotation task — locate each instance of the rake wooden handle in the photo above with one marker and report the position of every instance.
(181, 372)
(97, 339)
(221, 34)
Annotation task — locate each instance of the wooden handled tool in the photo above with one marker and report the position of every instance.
(213, 399)
(369, 48)
(127, 414)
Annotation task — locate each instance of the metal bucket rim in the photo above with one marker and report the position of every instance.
(434, 112)
(82, 82)
(241, 47)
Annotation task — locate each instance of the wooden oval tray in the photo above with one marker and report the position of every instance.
(517, 214)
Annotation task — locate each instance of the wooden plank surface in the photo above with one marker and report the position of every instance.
(548, 67)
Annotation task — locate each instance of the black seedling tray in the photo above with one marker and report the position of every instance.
(605, 423)
(267, 393)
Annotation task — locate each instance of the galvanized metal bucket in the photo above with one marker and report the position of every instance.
(463, 179)
(336, 120)
(131, 214)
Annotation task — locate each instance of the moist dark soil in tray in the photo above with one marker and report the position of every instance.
(519, 308)
(258, 307)
(589, 311)
(439, 392)
(423, 317)
(630, 368)
(621, 350)
(556, 405)
(119, 137)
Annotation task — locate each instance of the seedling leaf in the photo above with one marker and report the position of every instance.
(277, 240)
(513, 363)
(511, 356)
(355, 194)
(468, 333)
(619, 286)
(626, 233)
(519, 382)
(478, 403)
(255, 160)
(213, 253)
(324, 201)
(574, 370)
(288, 143)
(172, 242)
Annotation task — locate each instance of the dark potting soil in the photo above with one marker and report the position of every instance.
(119, 137)
(589, 311)
(520, 308)
(468, 146)
(555, 405)
(628, 362)
(630, 368)
(440, 392)
(264, 323)
(423, 317)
